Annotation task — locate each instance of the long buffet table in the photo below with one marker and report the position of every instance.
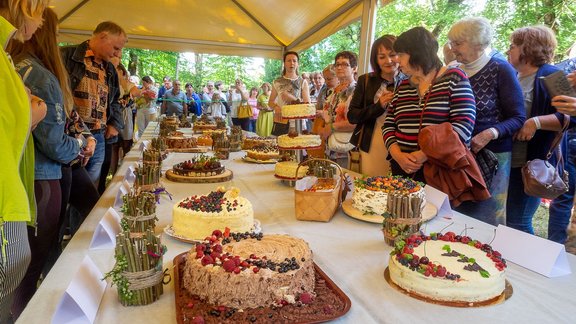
(351, 252)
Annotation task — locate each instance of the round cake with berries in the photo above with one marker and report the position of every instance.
(371, 194)
(201, 166)
(250, 142)
(263, 153)
(196, 217)
(448, 268)
(299, 111)
(242, 270)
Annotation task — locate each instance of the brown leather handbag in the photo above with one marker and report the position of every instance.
(541, 178)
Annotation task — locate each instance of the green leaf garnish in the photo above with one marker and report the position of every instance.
(447, 248)
(484, 274)
(472, 260)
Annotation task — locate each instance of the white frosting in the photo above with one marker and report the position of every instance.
(375, 202)
(287, 169)
(300, 141)
(299, 110)
(197, 225)
(471, 287)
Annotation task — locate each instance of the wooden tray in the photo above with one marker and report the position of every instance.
(222, 177)
(202, 149)
(507, 293)
(184, 300)
(430, 211)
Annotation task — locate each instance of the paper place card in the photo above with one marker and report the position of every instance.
(81, 300)
(124, 189)
(531, 252)
(130, 176)
(105, 233)
(144, 145)
(440, 200)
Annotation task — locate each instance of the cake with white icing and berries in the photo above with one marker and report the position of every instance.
(196, 217)
(371, 194)
(299, 111)
(242, 270)
(448, 268)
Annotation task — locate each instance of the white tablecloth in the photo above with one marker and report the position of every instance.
(351, 252)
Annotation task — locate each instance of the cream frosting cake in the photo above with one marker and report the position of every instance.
(298, 111)
(299, 142)
(371, 194)
(287, 169)
(243, 270)
(448, 267)
(196, 217)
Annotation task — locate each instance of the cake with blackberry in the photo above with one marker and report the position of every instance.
(244, 271)
(448, 268)
(197, 216)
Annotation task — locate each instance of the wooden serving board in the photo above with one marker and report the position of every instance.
(222, 177)
(198, 149)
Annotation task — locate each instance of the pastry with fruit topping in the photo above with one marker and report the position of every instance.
(201, 166)
(371, 194)
(293, 140)
(195, 217)
(448, 268)
(205, 140)
(242, 270)
(306, 110)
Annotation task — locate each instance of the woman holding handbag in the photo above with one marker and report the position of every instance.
(367, 109)
(433, 94)
(531, 50)
(336, 109)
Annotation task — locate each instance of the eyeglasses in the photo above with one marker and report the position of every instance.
(342, 65)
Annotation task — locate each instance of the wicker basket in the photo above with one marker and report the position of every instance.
(318, 206)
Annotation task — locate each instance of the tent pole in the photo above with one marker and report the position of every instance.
(366, 35)
(71, 12)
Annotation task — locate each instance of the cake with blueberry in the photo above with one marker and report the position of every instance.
(448, 268)
(201, 166)
(197, 216)
(293, 140)
(306, 110)
(371, 194)
(245, 271)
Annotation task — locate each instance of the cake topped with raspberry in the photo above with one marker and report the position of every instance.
(447, 267)
(200, 166)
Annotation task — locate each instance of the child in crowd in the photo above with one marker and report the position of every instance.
(216, 108)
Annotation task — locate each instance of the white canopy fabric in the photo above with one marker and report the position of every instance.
(259, 28)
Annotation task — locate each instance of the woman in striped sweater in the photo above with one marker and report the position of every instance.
(433, 94)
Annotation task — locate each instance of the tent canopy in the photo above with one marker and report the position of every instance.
(226, 27)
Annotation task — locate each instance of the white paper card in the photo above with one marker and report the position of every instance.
(440, 200)
(105, 233)
(130, 176)
(144, 145)
(531, 252)
(124, 189)
(82, 297)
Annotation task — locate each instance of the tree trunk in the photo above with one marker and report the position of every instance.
(133, 64)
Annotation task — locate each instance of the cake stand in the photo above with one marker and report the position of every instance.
(298, 121)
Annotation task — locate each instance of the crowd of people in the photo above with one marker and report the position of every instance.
(70, 112)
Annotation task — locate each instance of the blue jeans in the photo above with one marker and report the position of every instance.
(493, 209)
(520, 207)
(94, 166)
(561, 207)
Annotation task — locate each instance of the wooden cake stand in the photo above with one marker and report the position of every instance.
(222, 177)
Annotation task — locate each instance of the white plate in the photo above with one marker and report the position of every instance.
(428, 213)
(168, 230)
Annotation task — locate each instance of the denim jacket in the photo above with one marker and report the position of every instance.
(73, 57)
(51, 145)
